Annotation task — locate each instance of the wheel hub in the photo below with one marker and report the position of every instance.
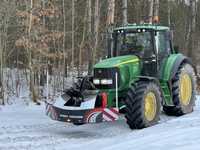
(150, 106)
(185, 89)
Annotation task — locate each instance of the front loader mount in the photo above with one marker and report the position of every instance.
(81, 116)
(78, 105)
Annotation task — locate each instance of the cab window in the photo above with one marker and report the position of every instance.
(163, 43)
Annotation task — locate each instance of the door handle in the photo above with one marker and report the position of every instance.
(154, 60)
(148, 61)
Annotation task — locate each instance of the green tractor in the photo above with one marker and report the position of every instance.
(142, 76)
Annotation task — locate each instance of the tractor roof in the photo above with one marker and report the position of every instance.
(142, 26)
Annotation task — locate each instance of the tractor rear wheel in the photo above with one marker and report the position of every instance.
(183, 91)
(143, 104)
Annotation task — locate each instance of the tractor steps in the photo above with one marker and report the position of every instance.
(166, 93)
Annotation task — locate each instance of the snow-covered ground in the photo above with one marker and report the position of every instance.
(27, 128)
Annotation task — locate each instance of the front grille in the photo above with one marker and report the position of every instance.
(106, 73)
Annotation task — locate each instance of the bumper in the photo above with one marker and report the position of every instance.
(81, 116)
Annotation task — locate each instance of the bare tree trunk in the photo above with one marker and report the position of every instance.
(89, 3)
(156, 12)
(73, 20)
(193, 28)
(187, 37)
(82, 44)
(32, 89)
(124, 11)
(1, 76)
(29, 54)
(169, 13)
(42, 76)
(64, 47)
(110, 24)
(151, 11)
(47, 74)
(96, 29)
(3, 57)
(111, 12)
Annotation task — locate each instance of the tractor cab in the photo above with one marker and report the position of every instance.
(151, 43)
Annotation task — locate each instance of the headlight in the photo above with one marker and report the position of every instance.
(106, 81)
(96, 81)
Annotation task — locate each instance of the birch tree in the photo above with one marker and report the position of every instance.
(1, 70)
(124, 11)
(156, 11)
(64, 41)
(110, 22)
(89, 3)
(151, 11)
(32, 89)
(168, 13)
(96, 29)
(111, 13)
(193, 10)
(72, 52)
(82, 42)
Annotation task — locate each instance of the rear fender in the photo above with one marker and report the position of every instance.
(172, 65)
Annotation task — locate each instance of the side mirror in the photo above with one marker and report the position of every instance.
(176, 49)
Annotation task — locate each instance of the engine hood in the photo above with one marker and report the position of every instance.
(117, 61)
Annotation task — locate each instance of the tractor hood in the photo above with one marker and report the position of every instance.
(117, 61)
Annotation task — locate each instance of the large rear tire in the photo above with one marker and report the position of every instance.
(183, 91)
(143, 104)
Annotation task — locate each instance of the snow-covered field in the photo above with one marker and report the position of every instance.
(27, 128)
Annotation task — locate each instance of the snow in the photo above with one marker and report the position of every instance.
(27, 128)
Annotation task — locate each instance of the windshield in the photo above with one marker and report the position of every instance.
(137, 43)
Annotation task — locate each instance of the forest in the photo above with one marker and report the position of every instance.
(46, 44)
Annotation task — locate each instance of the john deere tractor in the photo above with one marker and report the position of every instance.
(142, 75)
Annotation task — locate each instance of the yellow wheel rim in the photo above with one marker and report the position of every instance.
(150, 106)
(185, 89)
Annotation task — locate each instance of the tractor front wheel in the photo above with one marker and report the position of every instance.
(143, 104)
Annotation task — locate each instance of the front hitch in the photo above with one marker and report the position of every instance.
(85, 113)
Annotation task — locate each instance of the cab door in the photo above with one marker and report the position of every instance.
(163, 43)
(149, 59)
